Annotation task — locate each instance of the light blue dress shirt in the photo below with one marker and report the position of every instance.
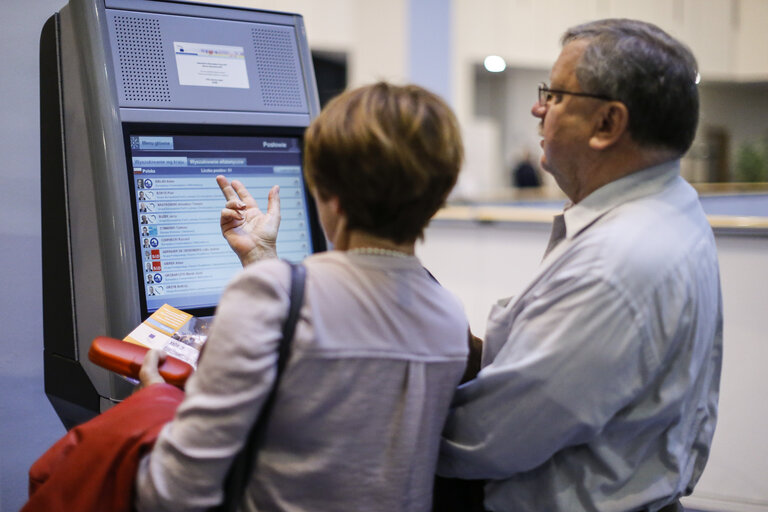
(599, 382)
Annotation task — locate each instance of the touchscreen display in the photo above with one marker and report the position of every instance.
(184, 260)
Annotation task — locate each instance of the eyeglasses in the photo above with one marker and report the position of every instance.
(545, 94)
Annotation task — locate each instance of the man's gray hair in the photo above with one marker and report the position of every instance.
(649, 71)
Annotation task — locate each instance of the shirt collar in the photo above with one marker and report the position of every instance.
(632, 186)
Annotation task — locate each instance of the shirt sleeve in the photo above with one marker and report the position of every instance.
(569, 360)
(186, 469)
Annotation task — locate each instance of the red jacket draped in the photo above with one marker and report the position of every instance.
(93, 467)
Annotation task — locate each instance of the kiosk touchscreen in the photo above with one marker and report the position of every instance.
(182, 258)
(143, 103)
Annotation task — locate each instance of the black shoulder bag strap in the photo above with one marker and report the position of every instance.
(242, 467)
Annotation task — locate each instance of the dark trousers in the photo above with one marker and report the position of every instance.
(675, 506)
(454, 495)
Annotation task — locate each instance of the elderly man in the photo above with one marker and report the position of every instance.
(599, 381)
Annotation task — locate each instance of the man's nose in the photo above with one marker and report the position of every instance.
(538, 110)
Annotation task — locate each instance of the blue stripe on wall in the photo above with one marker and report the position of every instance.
(429, 47)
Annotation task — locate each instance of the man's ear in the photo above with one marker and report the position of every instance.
(611, 123)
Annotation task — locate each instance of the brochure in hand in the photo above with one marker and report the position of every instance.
(173, 331)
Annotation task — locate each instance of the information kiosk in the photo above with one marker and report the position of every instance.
(143, 103)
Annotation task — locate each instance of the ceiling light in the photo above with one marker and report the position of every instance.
(494, 64)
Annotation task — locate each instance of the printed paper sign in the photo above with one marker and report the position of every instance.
(211, 65)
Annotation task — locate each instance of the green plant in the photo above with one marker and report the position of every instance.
(752, 162)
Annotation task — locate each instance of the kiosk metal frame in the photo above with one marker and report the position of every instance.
(106, 65)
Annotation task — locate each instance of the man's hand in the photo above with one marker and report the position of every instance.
(150, 373)
(251, 233)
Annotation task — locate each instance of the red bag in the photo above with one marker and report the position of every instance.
(93, 467)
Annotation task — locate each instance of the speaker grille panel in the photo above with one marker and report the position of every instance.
(279, 78)
(141, 61)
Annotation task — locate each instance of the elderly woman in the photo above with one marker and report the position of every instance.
(379, 347)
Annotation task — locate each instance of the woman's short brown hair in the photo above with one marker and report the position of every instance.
(390, 154)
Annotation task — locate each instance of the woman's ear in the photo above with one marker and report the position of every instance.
(333, 220)
(336, 205)
(341, 232)
(611, 123)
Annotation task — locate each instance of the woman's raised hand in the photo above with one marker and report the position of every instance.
(251, 233)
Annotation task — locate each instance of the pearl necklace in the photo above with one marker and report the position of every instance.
(379, 251)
